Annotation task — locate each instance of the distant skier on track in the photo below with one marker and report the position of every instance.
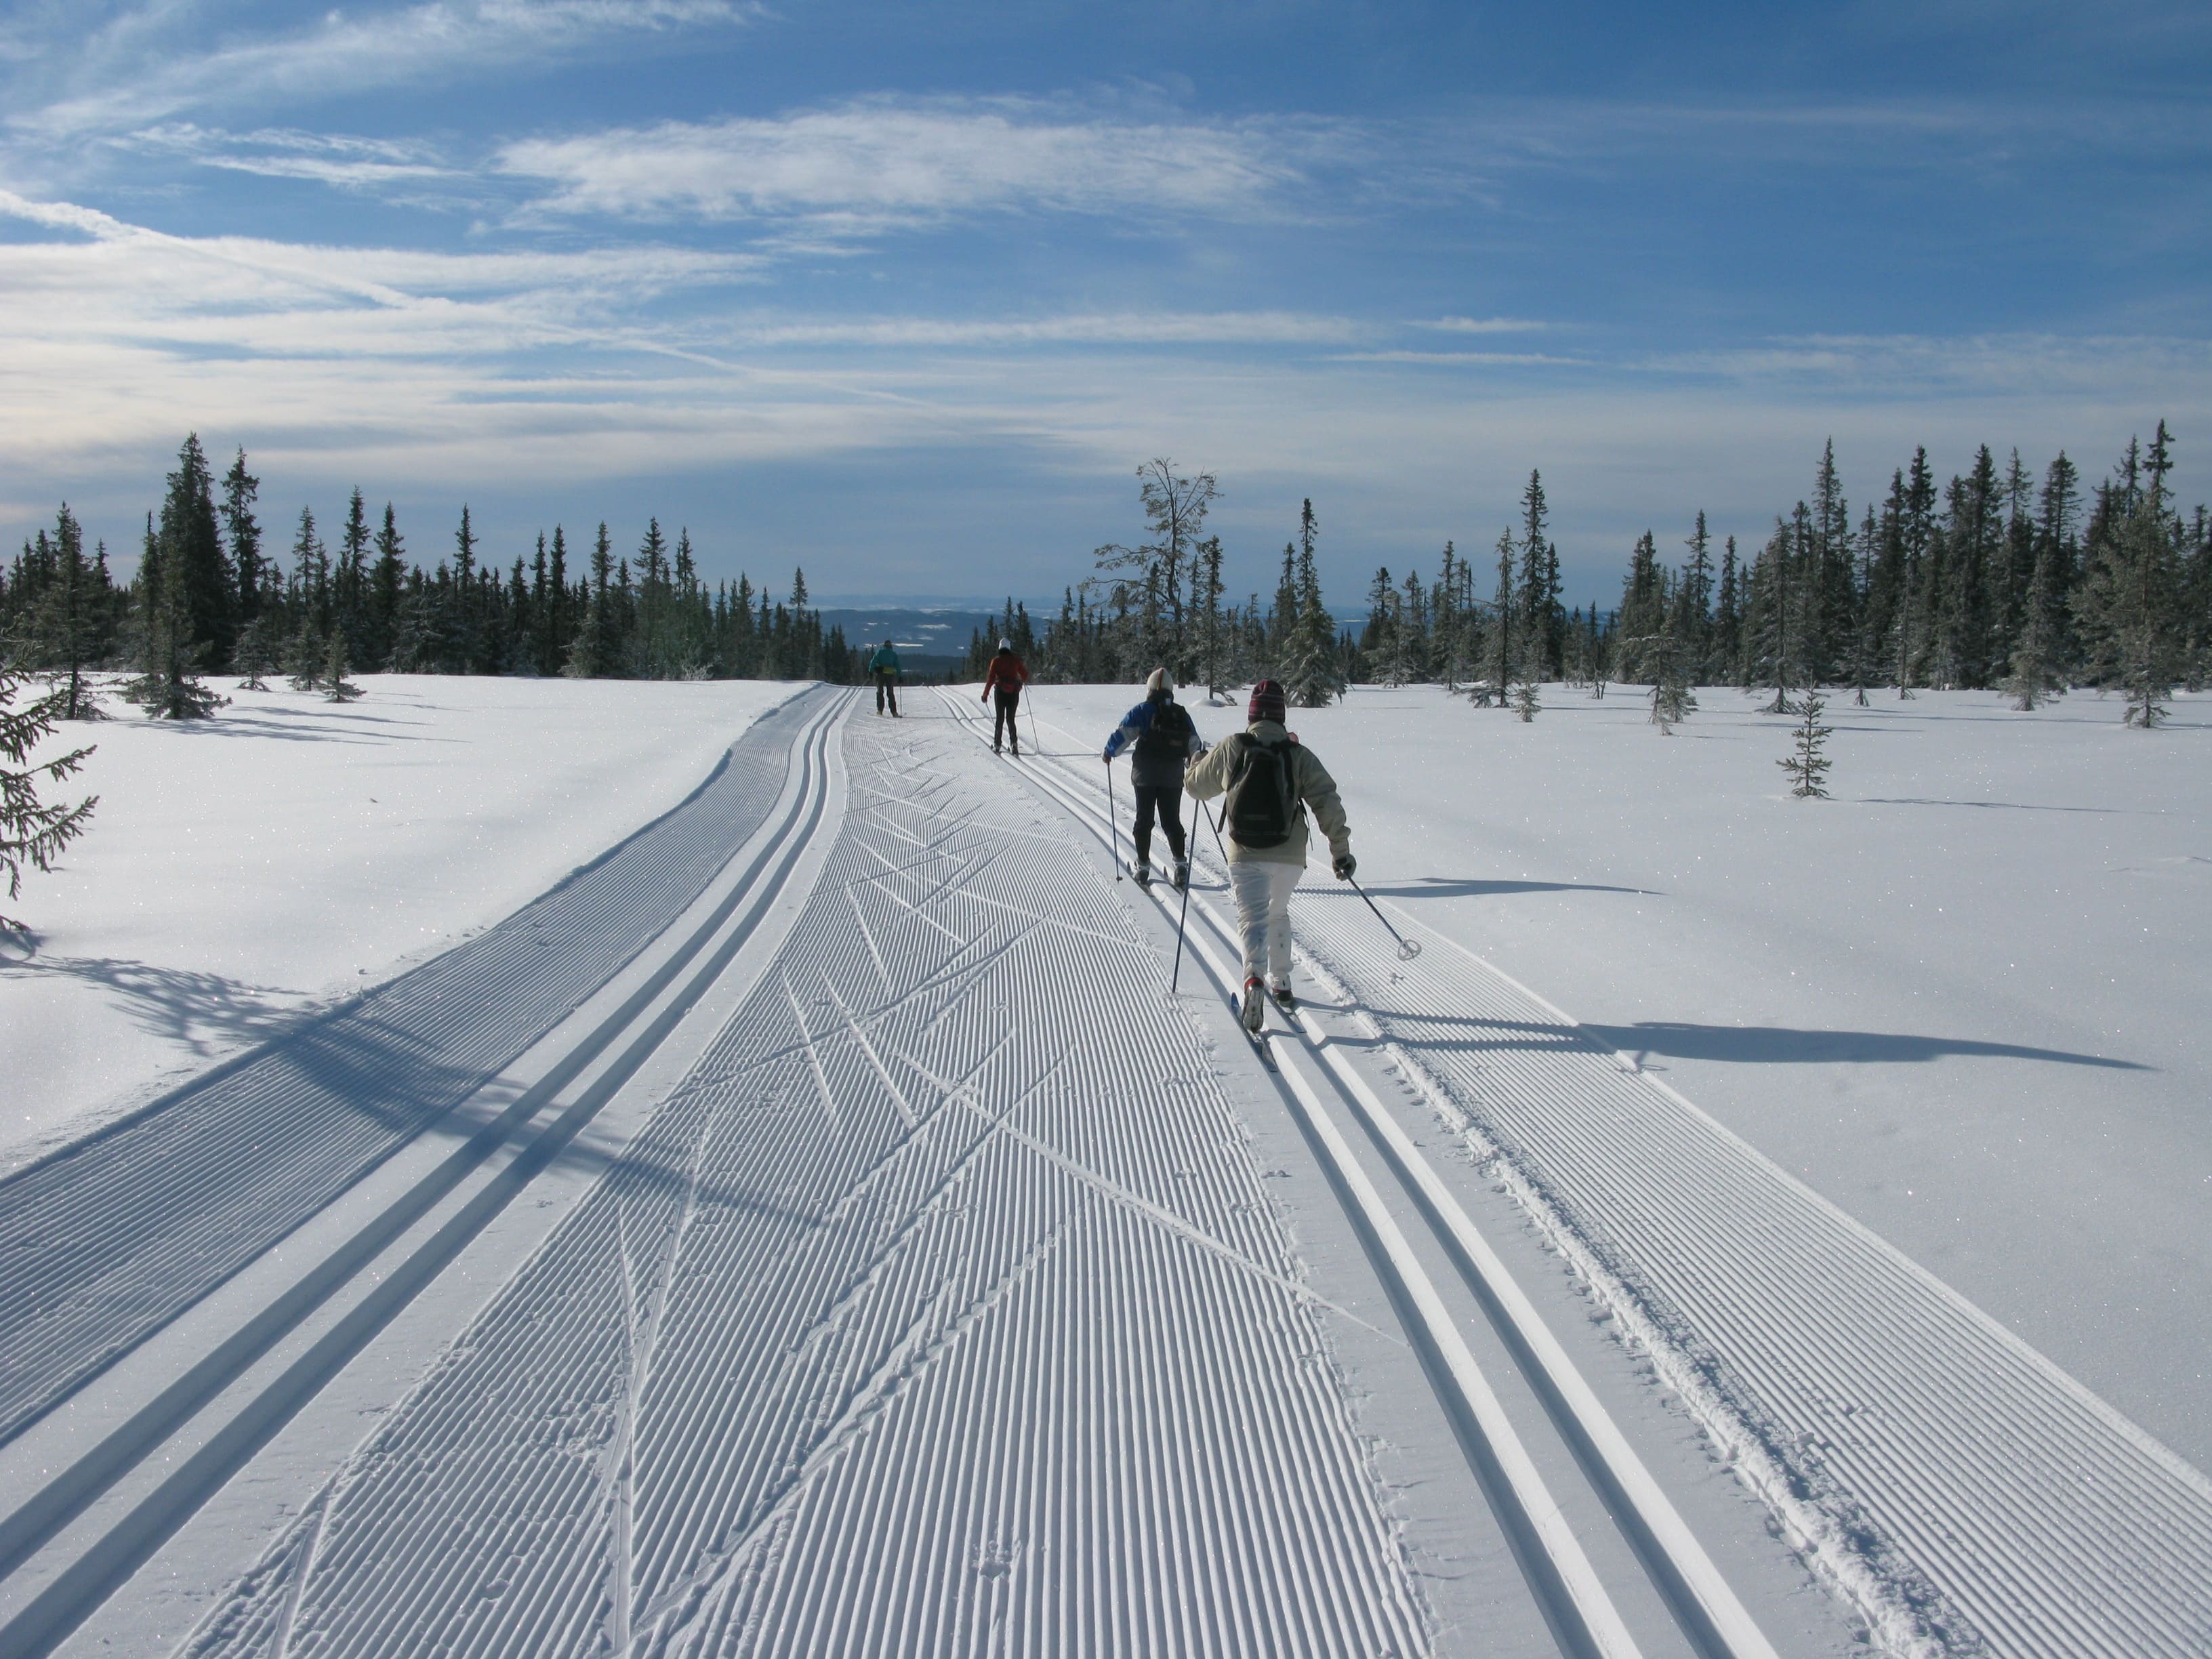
(885, 667)
(1005, 677)
(1269, 780)
(1161, 740)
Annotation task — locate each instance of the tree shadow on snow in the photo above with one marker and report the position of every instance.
(1746, 1045)
(2005, 805)
(202, 1011)
(1449, 887)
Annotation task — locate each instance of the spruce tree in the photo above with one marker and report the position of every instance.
(69, 624)
(1504, 630)
(336, 687)
(1807, 765)
(168, 686)
(198, 571)
(2035, 676)
(1528, 684)
(32, 831)
(1316, 675)
(243, 533)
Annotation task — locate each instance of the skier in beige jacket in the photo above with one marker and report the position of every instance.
(1270, 779)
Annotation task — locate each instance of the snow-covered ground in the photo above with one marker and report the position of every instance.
(291, 851)
(817, 1227)
(1964, 998)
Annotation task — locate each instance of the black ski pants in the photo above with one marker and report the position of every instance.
(1166, 801)
(886, 688)
(1006, 701)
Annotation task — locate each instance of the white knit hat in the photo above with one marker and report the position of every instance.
(1157, 681)
(1005, 645)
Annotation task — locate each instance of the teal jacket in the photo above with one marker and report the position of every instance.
(885, 661)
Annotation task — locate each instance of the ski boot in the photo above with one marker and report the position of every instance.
(1182, 875)
(1142, 875)
(1255, 1005)
(1286, 998)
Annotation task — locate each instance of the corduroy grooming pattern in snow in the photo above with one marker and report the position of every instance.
(919, 1321)
(134, 1225)
(1966, 1495)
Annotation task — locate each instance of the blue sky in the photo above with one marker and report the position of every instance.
(904, 293)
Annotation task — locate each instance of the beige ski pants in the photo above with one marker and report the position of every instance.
(1263, 888)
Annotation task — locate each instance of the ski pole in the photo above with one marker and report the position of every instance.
(1407, 948)
(1036, 743)
(1112, 825)
(1182, 921)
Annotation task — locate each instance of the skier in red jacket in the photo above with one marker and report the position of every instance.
(1006, 678)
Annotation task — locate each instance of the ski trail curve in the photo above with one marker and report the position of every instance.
(107, 1239)
(965, 1337)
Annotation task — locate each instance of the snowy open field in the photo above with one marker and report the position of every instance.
(814, 1227)
(1964, 1000)
(291, 851)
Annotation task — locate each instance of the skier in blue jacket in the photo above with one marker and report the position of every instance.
(1161, 739)
(884, 666)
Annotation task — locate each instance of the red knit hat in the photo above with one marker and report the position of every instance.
(1268, 703)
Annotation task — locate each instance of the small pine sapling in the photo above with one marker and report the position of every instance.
(1807, 762)
(304, 656)
(1526, 686)
(32, 831)
(336, 688)
(253, 655)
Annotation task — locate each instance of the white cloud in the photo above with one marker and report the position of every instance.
(1116, 328)
(551, 373)
(869, 165)
(1484, 325)
(127, 78)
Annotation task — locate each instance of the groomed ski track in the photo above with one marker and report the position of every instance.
(759, 1245)
(1949, 1484)
(909, 1318)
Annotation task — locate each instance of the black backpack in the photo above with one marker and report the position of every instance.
(1168, 733)
(1261, 803)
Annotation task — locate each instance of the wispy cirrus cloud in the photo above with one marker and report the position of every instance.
(341, 160)
(879, 163)
(139, 68)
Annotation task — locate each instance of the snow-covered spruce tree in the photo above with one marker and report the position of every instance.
(168, 686)
(1807, 762)
(1314, 678)
(336, 688)
(69, 623)
(32, 831)
(1671, 701)
(254, 654)
(1528, 684)
(2126, 604)
(1504, 633)
(2036, 676)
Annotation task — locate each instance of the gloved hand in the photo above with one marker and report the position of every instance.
(1344, 865)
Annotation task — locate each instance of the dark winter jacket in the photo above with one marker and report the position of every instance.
(1161, 737)
(885, 661)
(1007, 674)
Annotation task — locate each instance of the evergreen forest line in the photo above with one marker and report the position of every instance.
(1994, 579)
(210, 598)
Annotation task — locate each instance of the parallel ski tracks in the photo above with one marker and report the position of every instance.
(1958, 1490)
(402, 1244)
(1321, 1087)
(907, 1325)
(107, 1240)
